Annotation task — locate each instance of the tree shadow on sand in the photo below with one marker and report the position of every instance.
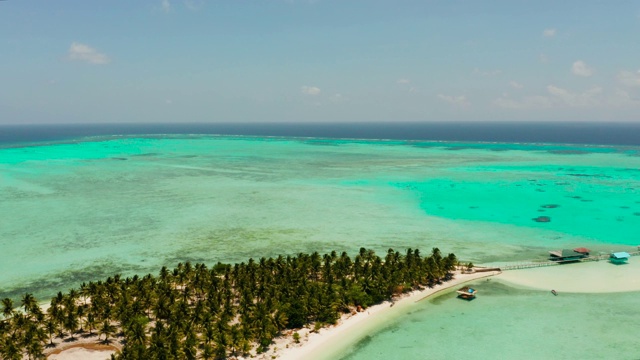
(70, 339)
(105, 341)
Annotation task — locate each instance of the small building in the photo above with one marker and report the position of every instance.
(619, 257)
(566, 255)
(582, 250)
(467, 293)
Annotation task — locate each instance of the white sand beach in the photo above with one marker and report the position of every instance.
(588, 277)
(329, 342)
(81, 353)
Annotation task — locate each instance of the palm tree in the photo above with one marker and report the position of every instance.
(106, 329)
(71, 323)
(137, 330)
(28, 302)
(207, 352)
(90, 321)
(10, 349)
(33, 341)
(51, 327)
(7, 308)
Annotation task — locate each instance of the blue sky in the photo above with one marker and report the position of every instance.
(318, 61)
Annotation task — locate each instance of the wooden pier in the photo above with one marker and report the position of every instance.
(535, 264)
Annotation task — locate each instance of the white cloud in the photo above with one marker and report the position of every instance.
(193, 5)
(543, 58)
(566, 97)
(460, 100)
(629, 78)
(556, 97)
(580, 68)
(487, 72)
(403, 81)
(526, 103)
(310, 90)
(622, 98)
(516, 85)
(165, 6)
(549, 32)
(82, 52)
(338, 98)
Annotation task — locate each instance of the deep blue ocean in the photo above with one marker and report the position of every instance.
(528, 132)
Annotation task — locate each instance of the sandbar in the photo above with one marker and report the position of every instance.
(585, 277)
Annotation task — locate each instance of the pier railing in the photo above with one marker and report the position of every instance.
(535, 264)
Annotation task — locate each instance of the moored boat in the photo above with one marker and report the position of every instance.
(467, 293)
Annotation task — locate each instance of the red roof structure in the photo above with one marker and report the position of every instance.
(582, 250)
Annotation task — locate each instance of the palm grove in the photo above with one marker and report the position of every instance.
(228, 310)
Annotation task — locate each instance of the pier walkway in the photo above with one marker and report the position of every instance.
(535, 264)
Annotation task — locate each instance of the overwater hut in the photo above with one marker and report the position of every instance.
(619, 257)
(582, 250)
(467, 293)
(566, 255)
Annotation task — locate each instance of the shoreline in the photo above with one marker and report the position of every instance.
(329, 342)
(333, 341)
(313, 345)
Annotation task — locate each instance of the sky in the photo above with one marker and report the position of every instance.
(318, 61)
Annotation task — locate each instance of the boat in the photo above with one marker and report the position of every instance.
(467, 293)
(554, 292)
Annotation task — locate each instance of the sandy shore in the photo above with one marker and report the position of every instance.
(313, 345)
(82, 351)
(587, 277)
(329, 342)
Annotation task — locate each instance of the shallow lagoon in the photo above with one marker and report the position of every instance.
(84, 210)
(505, 322)
(80, 211)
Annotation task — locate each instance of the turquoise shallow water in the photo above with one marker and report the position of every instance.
(509, 323)
(79, 211)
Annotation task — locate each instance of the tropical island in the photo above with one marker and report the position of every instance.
(220, 312)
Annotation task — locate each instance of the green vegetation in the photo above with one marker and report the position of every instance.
(194, 312)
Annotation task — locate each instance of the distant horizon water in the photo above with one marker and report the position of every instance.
(591, 133)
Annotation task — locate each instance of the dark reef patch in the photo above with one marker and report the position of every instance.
(542, 219)
(569, 152)
(602, 176)
(550, 206)
(45, 287)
